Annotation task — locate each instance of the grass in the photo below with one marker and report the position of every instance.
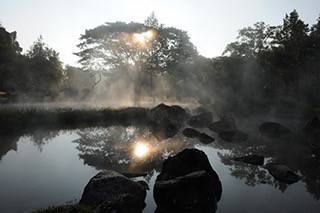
(27, 120)
(68, 208)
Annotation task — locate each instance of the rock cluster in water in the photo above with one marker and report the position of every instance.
(187, 183)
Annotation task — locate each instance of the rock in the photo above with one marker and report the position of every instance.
(224, 125)
(273, 129)
(251, 159)
(233, 136)
(282, 173)
(204, 138)
(201, 120)
(163, 131)
(115, 191)
(187, 183)
(163, 114)
(165, 121)
(190, 133)
(133, 175)
(123, 203)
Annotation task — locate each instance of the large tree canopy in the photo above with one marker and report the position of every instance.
(149, 46)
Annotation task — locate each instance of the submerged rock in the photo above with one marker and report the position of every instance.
(273, 129)
(224, 125)
(112, 190)
(191, 133)
(206, 139)
(201, 120)
(233, 136)
(283, 173)
(187, 183)
(251, 159)
(202, 137)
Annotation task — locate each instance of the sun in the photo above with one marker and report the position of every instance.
(141, 150)
(144, 37)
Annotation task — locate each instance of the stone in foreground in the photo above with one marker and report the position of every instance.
(110, 190)
(187, 183)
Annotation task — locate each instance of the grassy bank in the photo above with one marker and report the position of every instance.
(27, 120)
(70, 208)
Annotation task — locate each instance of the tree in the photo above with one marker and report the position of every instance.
(250, 41)
(134, 49)
(44, 71)
(9, 53)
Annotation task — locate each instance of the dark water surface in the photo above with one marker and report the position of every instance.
(52, 168)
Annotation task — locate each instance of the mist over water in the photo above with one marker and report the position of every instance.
(141, 95)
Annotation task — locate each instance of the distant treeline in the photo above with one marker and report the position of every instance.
(37, 75)
(266, 67)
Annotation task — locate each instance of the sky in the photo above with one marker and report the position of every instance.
(211, 24)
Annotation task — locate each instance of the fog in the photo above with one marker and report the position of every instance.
(143, 102)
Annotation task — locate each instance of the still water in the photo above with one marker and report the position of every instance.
(52, 168)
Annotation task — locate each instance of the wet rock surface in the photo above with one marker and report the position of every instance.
(283, 173)
(112, 191)
(191, 133)
(202, 137)
(251, 159)
(273, 129)
(165, 121)
(205, 139)
(187, 183)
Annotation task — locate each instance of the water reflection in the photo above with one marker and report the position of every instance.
(115, 148)
(8, 143)
(293, 150)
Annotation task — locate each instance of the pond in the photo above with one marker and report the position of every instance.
(52, 168)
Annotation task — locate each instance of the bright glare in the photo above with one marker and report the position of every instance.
(141, 150)
(144, 37)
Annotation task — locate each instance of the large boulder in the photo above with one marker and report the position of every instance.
(163, 114)
(187, 183)
(112, 190)
(273, 129)
(165, 121)
(282, 172)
